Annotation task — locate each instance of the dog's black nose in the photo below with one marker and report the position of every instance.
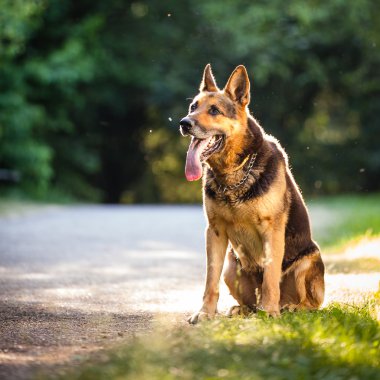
(185, 125)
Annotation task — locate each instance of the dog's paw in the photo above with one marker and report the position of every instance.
(290, 307)
(239, 310)
(232, 311)
(274, 313)
(271, 310)
(199, 317)
(302, 306)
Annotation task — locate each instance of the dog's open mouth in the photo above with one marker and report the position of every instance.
(199, 151)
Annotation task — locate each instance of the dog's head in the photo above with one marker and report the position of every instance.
(216, 118)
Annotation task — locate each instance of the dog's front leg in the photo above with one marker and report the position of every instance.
(274, 246)
(216, 246)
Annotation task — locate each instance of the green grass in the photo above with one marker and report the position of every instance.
(354, 217)
(340, 342)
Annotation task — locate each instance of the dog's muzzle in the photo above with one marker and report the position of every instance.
(185, 126)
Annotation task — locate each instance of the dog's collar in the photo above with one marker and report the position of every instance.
(243, 163)
(223, 188)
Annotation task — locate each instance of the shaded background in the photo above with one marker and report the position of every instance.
(91, 92)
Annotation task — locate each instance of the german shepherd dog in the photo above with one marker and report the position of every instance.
(254, 208)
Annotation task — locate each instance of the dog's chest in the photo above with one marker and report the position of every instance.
(248, 246)
(244, 231)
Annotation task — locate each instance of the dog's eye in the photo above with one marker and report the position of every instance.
(194, 106)
(214, 111)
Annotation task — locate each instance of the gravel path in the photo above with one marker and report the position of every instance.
(77, 279)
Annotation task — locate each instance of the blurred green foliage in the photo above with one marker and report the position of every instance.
(91, 91)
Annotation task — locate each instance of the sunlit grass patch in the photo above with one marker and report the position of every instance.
(363, 265)
(339, 342)
(354, 217)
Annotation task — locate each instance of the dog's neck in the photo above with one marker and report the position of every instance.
(231, 164)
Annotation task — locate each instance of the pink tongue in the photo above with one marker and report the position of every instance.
(193, 168)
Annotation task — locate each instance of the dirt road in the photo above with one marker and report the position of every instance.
(77, 279)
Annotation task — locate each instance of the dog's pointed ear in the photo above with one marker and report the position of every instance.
(208, 81)
(238, 86)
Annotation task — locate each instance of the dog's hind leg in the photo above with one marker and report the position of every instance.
(307, 278)
(315, 282)
(244, 286)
